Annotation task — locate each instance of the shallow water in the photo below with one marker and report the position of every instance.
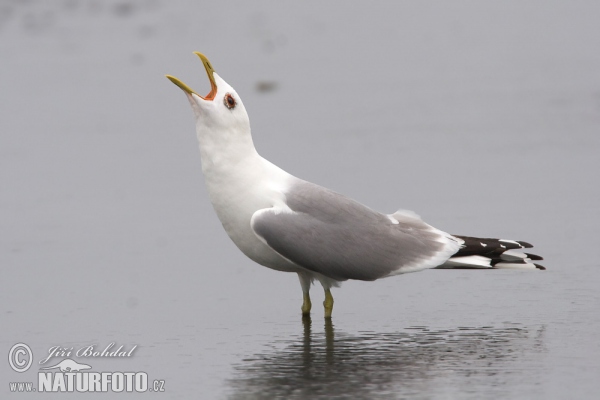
(483, 119)
(417, 362)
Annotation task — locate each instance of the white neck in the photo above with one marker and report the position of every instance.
(223, 150)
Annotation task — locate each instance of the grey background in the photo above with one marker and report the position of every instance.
(481, 117)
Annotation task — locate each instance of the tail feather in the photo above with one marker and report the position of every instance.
(488, 253)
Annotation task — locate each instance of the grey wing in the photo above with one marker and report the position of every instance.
(340, 238)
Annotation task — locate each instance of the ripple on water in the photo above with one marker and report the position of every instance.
(418, 362)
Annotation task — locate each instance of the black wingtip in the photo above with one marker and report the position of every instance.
(534, 257)
(525, 244)
(540, 267)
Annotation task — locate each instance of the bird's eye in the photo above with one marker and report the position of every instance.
(229, 101)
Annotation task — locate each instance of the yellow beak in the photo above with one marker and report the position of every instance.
(209, 71)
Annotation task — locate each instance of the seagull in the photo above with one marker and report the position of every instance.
(291, 225)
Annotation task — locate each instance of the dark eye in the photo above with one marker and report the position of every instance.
(229, 101)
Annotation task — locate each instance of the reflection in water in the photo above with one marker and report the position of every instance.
(416, 363)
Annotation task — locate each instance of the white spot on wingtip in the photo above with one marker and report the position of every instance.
(483, 244)
(503, 246)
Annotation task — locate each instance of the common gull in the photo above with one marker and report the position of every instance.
(291, 225)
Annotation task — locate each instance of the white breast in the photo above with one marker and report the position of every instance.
(237, 190)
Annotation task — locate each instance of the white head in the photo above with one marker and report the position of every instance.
(221, 118)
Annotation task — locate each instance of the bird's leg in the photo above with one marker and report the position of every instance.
(328, 303)
(306, 304)
(305, 282)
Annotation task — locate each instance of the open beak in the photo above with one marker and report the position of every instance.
(209, 71)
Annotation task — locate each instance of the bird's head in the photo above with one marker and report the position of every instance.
(221, 109)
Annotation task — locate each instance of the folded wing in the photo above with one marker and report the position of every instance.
(328, 233)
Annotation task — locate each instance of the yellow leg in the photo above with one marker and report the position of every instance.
(306, 305)
(328, 303)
